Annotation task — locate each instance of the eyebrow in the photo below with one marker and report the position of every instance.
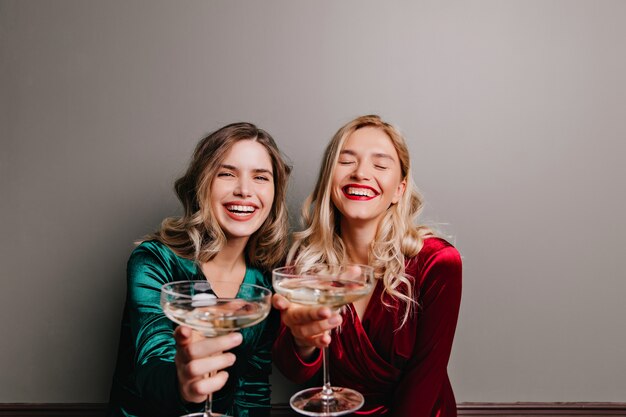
(256, 170)
(375, 155)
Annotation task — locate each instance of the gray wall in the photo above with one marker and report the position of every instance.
(515, 114)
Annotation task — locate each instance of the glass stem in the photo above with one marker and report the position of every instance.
(208, 404)
(327, 391)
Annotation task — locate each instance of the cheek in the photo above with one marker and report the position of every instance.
(337, 177)
(214, 194)
(268, 197)
(392, 183)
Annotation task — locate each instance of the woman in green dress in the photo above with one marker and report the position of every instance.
(234, 228)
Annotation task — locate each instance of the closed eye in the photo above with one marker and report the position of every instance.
(345, 162)
(225, 174)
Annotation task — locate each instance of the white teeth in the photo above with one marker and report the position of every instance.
(240, 209)
(365, 192)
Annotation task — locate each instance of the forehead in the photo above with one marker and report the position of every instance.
(248, 152)
(370, 140)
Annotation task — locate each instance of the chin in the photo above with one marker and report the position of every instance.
(358, 217)
(238, 233)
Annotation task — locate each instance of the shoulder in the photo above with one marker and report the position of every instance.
(155, 259)
(151, 250)
(439, 248)
(436, 258)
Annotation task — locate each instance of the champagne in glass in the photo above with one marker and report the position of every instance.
(198, 304)
(332, 286)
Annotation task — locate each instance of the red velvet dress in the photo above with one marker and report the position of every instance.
(403, 372)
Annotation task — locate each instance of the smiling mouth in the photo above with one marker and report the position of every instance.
(240, 210)
(359, 193)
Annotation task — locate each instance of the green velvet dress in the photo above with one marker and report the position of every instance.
(145, 382)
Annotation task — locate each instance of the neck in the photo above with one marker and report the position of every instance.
(229, 264)
(358, 238)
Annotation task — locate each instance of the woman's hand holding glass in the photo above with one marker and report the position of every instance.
(200, 362)
(321, 290)
(198, 304)
(310, 325)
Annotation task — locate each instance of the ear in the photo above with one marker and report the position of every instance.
(399, 192)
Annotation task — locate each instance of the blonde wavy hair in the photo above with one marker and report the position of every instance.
(196, 234)
(397, 237)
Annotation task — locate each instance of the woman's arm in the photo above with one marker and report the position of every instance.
(303, 332)
(151, 331)
(163, 377)
(426, 373)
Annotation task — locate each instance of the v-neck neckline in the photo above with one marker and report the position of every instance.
(247, 275)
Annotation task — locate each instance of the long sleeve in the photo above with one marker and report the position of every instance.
(152, 333)
(424, 389)
(287, 360)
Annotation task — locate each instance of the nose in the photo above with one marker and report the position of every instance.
(360, 172)
(243, 188)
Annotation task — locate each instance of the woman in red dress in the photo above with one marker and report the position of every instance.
(393, 346)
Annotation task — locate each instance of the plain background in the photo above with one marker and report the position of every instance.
(515, 113)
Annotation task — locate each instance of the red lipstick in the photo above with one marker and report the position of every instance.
(359, 192)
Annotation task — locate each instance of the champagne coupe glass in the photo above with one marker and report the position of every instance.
(214, 309)
(333, 286)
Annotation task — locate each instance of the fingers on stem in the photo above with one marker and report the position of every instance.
(200, 368)
(188, 349)
(200, 362)
(199, 389)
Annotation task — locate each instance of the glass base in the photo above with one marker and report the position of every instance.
(213, 414)
(311, 402)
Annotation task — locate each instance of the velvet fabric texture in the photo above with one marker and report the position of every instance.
(400, 372)
(145, 382)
